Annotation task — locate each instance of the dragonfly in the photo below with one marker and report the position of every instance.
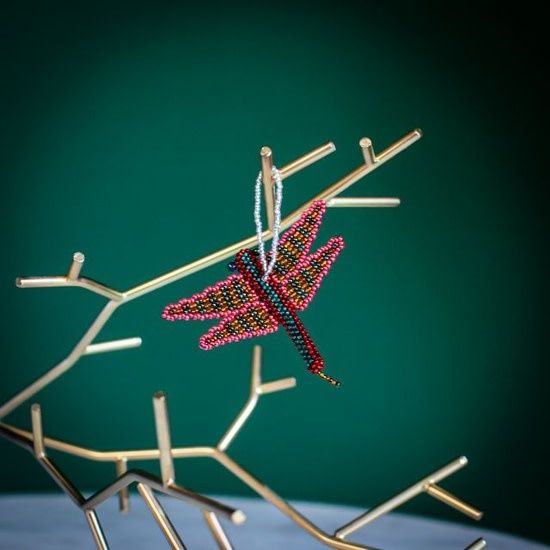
(249, 304)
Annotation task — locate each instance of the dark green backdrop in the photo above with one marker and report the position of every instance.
(132, 134)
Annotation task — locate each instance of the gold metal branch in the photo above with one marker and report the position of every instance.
(36, 444)
(256, 389)
(428, 485)
(218, 453)
(112, 345)
(267, 166)
(117, 298)
(71, 279)
(161, 517)
(478, 544)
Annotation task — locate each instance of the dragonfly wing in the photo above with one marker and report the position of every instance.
(296, 242)
(220, 300)
(253, 320)
(301, 284)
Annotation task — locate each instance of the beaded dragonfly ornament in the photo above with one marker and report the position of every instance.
(255, 300)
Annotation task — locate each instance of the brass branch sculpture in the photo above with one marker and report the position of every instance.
(166, 453)
(37, 443)
(34, 442)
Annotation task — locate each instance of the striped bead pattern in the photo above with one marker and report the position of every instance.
(271, 295)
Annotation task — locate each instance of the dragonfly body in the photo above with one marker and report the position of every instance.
(249, 304)
(273, 296)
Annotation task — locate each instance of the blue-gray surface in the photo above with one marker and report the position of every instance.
(52, 522)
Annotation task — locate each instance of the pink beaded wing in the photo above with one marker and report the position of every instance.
(249, 305)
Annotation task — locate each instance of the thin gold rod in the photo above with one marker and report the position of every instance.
(24, 438)
(76, 266)
(231, 250)
(35, 445)
(246, 411)
(81, 282)
(267, 165)
(161, 518)
(123, 495)
(63, 482)
(163, 438)
(364, 202)
(256, 389)
(176, 491)
(478, 544)
(37, 433)
(64, 365)
(217, 531)
(355, 175)
(238, 423)
(113, 345)
(444, 496)
(95, 528)
(368, 151)
(307, 159)
(256, 368)
(400, 498)
(277, 385)
(17, 434)
(284, 506)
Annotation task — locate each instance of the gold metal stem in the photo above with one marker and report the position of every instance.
(236, 516)
(363, 202)
(123, 495)
(478, 544)
(81, 282)
(217, 531)
(238, 423)
(444, 496)
(307, 159)
(246, 411)
(267, 165)
(65, 364)
(160, 517)
(163, 438)
(37, 433)
(35, 444)
(256, 389)
(277, 385)
(95, 528)
(62, 481)
(355, 175)
(368, 151)
(231, 250)
(113, 345)
(12, 432)
(284, 506)
(400, 498)
(76, 266)
(27, 441)
(173, 490)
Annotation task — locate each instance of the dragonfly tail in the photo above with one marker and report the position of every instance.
(329, 379)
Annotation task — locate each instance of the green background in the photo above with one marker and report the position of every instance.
(131, 132)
